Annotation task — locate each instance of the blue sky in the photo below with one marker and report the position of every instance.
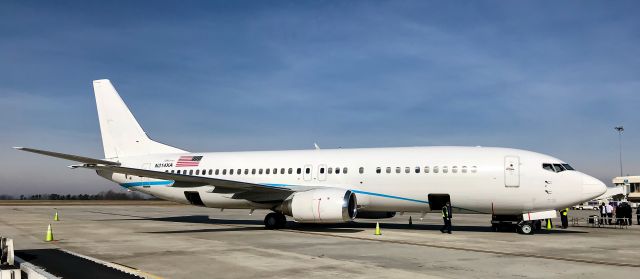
(241, 75)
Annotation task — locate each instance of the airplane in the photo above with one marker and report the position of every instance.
(515, 186)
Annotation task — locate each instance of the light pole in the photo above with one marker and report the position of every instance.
(620, 129)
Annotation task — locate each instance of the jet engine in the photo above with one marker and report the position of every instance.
(327, 205)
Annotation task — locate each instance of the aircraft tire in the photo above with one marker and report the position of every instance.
(526, 228)
(271, 221)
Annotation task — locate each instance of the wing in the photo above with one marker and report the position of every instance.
(264, 193)
(69, 157)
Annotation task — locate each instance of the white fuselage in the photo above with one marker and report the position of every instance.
(477, 179)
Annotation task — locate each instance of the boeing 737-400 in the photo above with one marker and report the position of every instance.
(335, 185)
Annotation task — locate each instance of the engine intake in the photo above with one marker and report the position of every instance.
(328, 205)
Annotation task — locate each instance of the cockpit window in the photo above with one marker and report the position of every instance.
(556, 167)
(548, 167)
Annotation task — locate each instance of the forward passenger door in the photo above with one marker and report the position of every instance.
(512, 171)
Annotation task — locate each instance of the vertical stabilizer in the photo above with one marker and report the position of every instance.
(122, 136)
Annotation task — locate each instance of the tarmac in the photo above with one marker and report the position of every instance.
(174, 241)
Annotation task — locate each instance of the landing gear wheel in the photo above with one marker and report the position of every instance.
(526, 228)
(274, 221)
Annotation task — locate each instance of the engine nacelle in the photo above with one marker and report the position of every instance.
(328, 205)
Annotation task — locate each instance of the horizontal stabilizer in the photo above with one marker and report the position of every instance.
(70, 157)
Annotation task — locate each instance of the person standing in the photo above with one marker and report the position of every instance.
(603, 214)
(629, 214)
(638, 214)
(564, 217)
(609, 210)
(446, 217)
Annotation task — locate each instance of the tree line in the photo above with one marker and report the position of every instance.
(104, 195)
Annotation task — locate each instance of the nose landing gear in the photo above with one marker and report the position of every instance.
(514, 223)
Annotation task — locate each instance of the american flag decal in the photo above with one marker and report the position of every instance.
(188, 161)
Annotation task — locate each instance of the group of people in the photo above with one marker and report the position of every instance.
(622, 214)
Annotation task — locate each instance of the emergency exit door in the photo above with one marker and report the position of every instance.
(512, 171)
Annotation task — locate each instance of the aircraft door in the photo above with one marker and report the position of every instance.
(437, 201)
(322, 172)
(512, 171)
(307, 172)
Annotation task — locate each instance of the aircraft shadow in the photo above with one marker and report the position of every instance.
(352, 227)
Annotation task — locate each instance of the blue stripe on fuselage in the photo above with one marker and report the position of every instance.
(147, 183)
(388, 196)
(359, 192)
(168, 182)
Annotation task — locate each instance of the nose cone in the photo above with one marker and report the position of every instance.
(592, 187)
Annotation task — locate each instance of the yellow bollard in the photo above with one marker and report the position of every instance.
(377, 229)
(49, 236)
(55, 217)
(549, 224)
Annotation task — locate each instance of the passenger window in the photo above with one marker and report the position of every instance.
(337, 170)
(281, 170)
(464, 169)
(197, 172)
(239, 172)
(299, 171)
(290, 170)
(388, 170)
(246, 171)
(454, 169)
(231, 172)
(204, 172)
(275, 171)
(210, 171)
(260, 171)
(344, 170)
(417, 169)
(398, 169)
(407, 169)
(178, 171)
(307, 170)
(217, 171)
(267, 171)
(445, 169)
(435, 169)
(253, 171)
(190, 172)
(378, 170)
(474, 169)
(361, 170)
(330, 170)
(322, 170)
(426, 169)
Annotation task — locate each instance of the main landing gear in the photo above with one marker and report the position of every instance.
(274, 221)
